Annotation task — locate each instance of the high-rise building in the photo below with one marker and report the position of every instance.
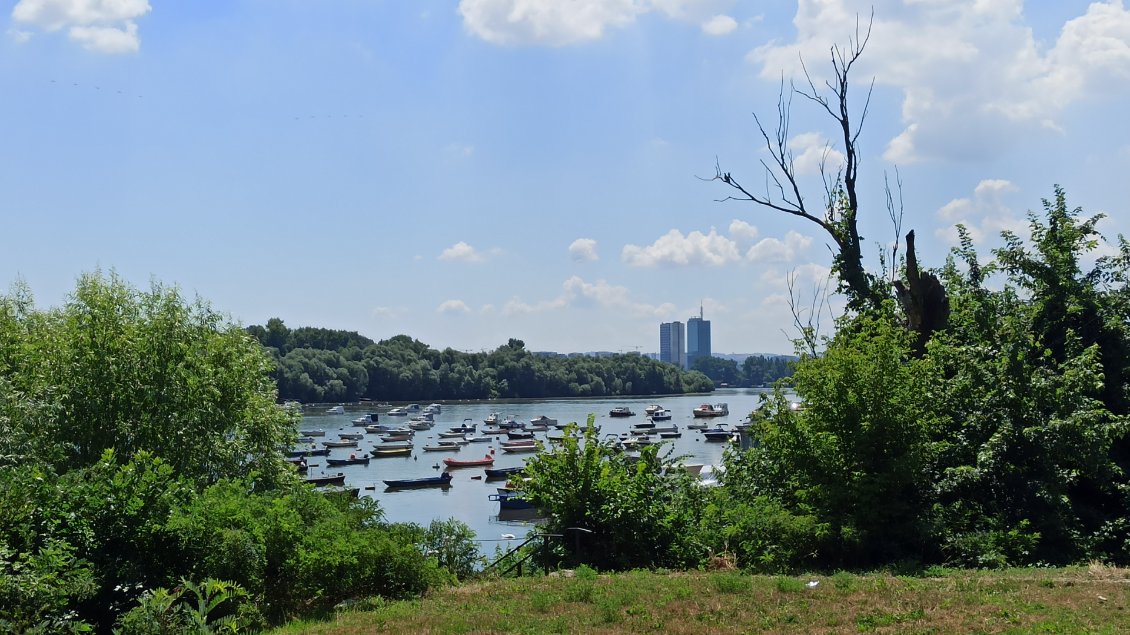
(672, 347)
(698, 338)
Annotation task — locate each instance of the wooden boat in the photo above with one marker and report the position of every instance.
(518, 442)
(443, 480)
(503, 472)
(344, 443)
(670, 435)
(396, 445)
(338, 479)
(442, 447)
(308, 452)
(353, 460)
(480, 439)
(312, 433)
(486, 460)
(712, 410)
(518, 449)
(621, 411)
(519, 434)
(351, 436)
(452, 435)
(392, 438)
(382, 452)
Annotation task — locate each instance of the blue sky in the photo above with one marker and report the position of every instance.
(466, 172)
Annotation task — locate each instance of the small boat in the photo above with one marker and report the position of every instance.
(433, 408)
(391, 438)
(304, 440)
(662, 429)
(647, 425)
(479, 439)
(338, 479)
(442, 447)
(353, 460)
(398, 412)
(493, 419)
(308, 452)
(503, 472)
(712, 410)
(652, 409)
(698, 425)
(486, 460)
(519, 449)
(379, 428)
(395, 445)
(541, 423)
(661, 415)
(465, 428)
(365, 420)
(452, 435)
(621, 411)
(312, 433)
(518, 442)
(493, 430)
(352, 436)
(443, 480)
(510, 423)
(718, 433)
(381, 452)
(519, 434)
(673, 434)
(336, 410)
(344, 443)
(511, 500)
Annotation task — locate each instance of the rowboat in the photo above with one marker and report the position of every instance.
(443, 480)
(442, 447)
(382, 452)
(344, 443)
(518, 449)
(351, 436)
(486, 460)
(312, 433)
(503, 472)
(338, 479)
(310, 452)
(353, 460)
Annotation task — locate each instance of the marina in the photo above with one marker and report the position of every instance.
(466, 497)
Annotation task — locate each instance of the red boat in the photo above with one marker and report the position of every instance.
(486, 460)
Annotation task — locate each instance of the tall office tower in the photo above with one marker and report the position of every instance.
(698, 338)
(671, 344)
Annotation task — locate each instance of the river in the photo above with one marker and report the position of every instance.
(467, 499)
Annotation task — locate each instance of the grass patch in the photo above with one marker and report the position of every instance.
(1071, 600)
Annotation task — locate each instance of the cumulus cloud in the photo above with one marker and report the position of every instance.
(103, 26)
(453, 307)
(777, 250)
(674, 248)
(583, 250)
(462, 252)
(557, 23)
(741, 230)
(981, 84)
(576, 292)
(985, 214)
(719, 25)
(812, 153)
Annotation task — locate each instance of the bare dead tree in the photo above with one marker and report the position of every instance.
(782, 191)
(807, 321)
(922, 297)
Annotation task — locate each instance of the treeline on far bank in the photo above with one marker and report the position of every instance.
(322, 365)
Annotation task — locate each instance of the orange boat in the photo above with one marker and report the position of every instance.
(486, 460)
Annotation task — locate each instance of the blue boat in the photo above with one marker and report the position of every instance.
(511, 500)
(503, 472)
(443, 480)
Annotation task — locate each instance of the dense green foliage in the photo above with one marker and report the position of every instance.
(321, 365)
(1003, 442)
(616, 511)
(141, 482)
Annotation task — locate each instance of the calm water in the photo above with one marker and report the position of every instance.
(467, 498)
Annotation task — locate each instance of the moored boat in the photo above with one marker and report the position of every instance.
(336, 410)
(344, 443)
(712, 410)
(353, 460)
(383, 452)
(443, 480)
(312, 433)
(621, 411)
(442, 447)
(308, 452)
(652, 409)
(511, 500)
(351, 436)
(486, 460)
(503, 472)
(662, 414)
(338, 479)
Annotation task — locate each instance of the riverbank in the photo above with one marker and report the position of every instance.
(1093, 599)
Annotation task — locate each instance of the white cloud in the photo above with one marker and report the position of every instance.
(982, 83)
(462, 252)
(776, 250)
(578, 293)
(19, 37)
(104, 26)
(560, 23)
(583, 250)
(812, 152)
(107, 39)
(453, 306)
(674, 248)
(985, 214)
(741, 230)
(719, 25)
(388, 312)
